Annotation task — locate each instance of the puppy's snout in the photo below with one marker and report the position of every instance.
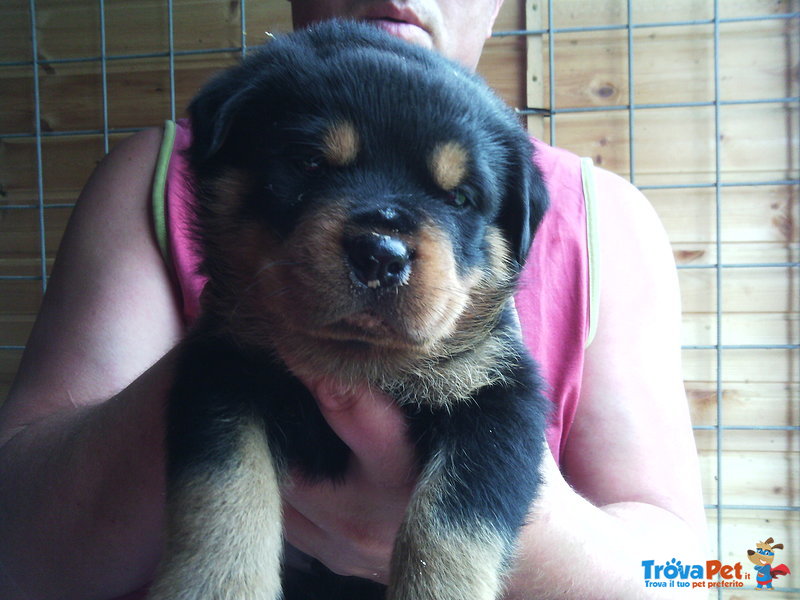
(378, 260)
(390, 218)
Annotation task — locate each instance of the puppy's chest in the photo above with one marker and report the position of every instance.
(301, 439)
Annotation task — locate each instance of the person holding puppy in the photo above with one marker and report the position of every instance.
(81, 434)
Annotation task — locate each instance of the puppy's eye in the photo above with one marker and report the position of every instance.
(457, 198)
(312, 166)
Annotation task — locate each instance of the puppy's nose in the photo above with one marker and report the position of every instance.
(378, 260)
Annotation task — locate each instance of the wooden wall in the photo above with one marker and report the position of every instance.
(675, 146)
(672, 146)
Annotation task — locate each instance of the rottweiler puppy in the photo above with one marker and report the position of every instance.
(364, 208)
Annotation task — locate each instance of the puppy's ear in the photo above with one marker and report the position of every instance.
(524, 204)
(213, 112)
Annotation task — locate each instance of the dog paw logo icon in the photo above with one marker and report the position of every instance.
(763, 557)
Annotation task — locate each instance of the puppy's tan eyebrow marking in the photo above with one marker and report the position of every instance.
(448, 164)
(341, 144)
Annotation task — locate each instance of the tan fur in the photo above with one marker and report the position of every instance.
(341, 144)
(238, 246)
(448, 164)
(499, 268)
(436, 343)
(287, 295)
(448, 350)
(475, 354)
(301, 284)
(434, 560)
(225, 529)
(229, 188)
(440, 295)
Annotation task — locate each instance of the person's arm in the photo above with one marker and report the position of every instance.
(633, 491)
(81, 448)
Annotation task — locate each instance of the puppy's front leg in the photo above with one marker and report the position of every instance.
(439, 557)
(224, 513)
(459, 535)
(224, 529)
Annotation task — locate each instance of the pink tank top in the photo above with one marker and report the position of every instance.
(556, 301)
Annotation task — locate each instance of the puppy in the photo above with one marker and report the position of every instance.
(364, 209)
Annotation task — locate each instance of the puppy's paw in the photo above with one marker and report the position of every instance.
(449, 565)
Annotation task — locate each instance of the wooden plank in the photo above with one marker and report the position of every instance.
(20, 243)
(734, 253)
(501, 66)
(138, 93)
(752, 478)
(743, 290)
(535, 82)
(20, 297)
(16, 100)
(742, 366)
(68, 162)
(502, 63)
(9, 363)
(614, 12)
(745, 403)
(761, 444)
(16, 329)
(15, 27)
(700, 329)
(761, 214)
(757, 146)
(673, 64)
(743, 528)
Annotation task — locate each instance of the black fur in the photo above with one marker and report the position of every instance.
(257, 119)
(342, 70)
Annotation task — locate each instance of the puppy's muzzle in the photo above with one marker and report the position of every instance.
(378, 260)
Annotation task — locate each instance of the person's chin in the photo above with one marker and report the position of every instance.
(404, 31)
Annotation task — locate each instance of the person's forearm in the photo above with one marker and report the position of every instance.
(572, 549)
(81, 496)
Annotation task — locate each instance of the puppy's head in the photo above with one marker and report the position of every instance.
(363, 203)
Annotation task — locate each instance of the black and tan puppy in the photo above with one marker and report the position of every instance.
(365, 207)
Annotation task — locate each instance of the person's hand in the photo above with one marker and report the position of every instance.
(350, 527)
